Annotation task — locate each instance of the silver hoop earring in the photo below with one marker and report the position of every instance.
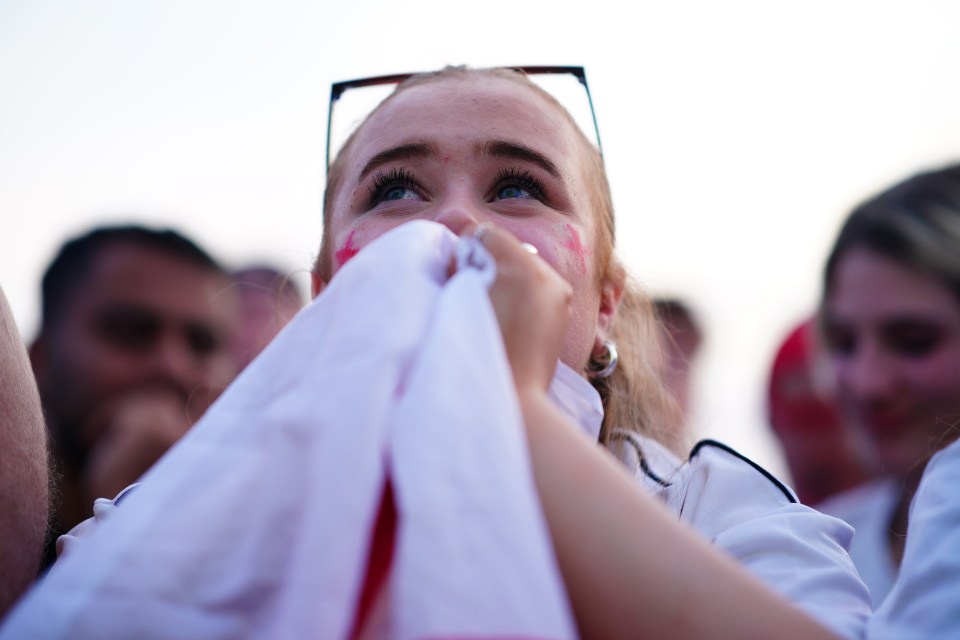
(602, 367)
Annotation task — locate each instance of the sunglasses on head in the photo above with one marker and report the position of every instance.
(352, 101)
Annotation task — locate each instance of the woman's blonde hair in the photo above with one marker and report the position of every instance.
(634, 396)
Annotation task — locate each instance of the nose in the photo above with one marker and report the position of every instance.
(174, 362)
(869, 374)
(458, 214)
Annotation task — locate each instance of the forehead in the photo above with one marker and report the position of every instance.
(157, 280)
(868, 284)
(460, 111)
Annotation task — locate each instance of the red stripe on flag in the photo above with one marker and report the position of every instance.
(380, 559)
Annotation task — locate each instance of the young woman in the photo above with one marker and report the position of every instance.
(466, 147)
(891, 316)
(399, 376)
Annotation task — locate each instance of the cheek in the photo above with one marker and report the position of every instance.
(581, 330)
(562, 245)
(573, 243)
(936, 381)
(345, 250)
(350, 241)
(89, 371)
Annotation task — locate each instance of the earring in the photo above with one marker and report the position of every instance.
(602, 367)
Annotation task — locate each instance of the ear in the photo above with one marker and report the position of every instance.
(317, 283)
(611, 293)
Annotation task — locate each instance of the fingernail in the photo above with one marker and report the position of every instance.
(482, 230)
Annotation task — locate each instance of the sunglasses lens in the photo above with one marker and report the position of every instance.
(349, 111)
(573, 95)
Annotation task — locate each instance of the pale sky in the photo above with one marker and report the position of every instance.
(737, 134)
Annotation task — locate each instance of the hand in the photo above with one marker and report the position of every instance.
(134, 431)
(532, 304)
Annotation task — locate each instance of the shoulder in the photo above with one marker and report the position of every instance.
(755, 518)
(718, 487)
(713, 474)
(942, 470)
(923, 601)
(728, 497)
(869, 501)
(723, 491)
(730, 471)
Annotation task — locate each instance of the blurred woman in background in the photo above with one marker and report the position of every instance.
(891, 320)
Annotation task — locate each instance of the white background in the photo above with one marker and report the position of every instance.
(737, 134)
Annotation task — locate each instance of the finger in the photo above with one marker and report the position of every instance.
(480, 230)
(499, 242)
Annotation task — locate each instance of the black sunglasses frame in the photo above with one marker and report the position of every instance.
(339, 88)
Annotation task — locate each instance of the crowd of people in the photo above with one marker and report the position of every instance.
(479, 426)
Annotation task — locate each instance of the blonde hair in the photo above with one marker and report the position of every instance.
(634, 396)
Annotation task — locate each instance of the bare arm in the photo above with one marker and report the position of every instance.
(23, 466)
(630, 567)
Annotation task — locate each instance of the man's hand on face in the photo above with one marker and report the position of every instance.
(130, 433)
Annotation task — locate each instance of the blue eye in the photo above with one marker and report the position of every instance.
(398, 193)
(517, 184)
(398, 184)
(513, 191)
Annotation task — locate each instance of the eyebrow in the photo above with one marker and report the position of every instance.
(403, 152)
(504, 149)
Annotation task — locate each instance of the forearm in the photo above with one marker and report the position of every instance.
(630, 567)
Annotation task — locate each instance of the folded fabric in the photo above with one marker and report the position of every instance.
(259, 522)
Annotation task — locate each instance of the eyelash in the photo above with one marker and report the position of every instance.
(383, 182)
(400, 177)
(521, 178)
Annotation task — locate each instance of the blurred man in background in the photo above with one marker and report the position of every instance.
(681, 337)
(133, 347)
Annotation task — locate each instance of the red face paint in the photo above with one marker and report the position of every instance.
(576, 247)
(346, 251)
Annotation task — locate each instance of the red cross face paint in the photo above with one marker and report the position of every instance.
(575, 247)
(346, 250)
